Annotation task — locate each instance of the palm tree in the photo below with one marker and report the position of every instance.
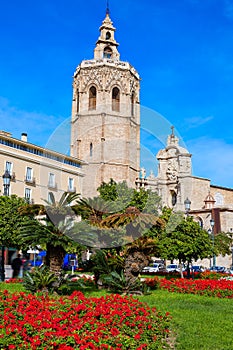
(93, 209)
(140, 245)
(51, 230)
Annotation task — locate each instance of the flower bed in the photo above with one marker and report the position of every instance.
(14, 280)
(76, 322)
(222, 288)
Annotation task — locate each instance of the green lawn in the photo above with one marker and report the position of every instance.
(198, 322)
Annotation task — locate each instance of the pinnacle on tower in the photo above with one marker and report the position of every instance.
(107, 8)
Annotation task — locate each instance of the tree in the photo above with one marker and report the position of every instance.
(11, 220)
(222, 243)
(185, 242)
(120, 196)
(138, 214)
(51, 232)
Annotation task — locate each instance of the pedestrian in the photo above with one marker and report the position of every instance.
(16, 265)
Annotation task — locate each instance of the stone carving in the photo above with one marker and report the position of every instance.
(172, 170)
(219, 199)
(87, 77)
(172, 151)
(105, 77)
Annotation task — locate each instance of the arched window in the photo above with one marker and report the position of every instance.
(174, 198)
(200, 221)
(132, 103)
(108, 36)
(91, 149)
(116, 99)
(107, 52)
(92, 98)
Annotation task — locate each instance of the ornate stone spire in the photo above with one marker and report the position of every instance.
(172, 139)
(107, 9)
(106, 45)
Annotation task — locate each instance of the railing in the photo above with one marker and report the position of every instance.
(52, 186)
(71, 190)
(30, 181)
(29, 200)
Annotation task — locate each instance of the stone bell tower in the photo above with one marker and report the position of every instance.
(105, 125)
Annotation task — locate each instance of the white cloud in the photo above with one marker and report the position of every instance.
(195, 122)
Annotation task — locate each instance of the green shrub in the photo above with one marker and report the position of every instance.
(39, 279)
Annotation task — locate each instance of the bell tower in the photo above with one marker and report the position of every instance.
(105, 124)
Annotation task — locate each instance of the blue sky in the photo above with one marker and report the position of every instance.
(182, 50)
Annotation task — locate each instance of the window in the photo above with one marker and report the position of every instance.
(51, 198)
(92, 98)
(9, 167)
(116, 99)
(108, 35)
(107, 52)
(28, 195)
(77, 107)
(174, 197)
(51, 180)
(91, 149)
(200, 221)
(132, 104)
(71, 184)
(29, 174)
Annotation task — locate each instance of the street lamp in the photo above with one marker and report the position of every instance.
(231, 257)
(6, 184)
(187, 205)
(212, 232)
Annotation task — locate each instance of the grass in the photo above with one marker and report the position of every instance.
(198, 322)
(12, 287)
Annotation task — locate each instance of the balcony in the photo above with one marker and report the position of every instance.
(29, 200)
(52, 186)
(30, 181)
(71, 189)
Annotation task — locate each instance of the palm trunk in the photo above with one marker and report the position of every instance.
(134, 263)
(54, 258)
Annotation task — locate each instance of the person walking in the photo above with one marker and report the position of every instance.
(16, 265)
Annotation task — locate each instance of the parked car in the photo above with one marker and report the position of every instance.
(197, 268)
(158, 266)
(221, 269)
(153, 269)
(146, 269)
(172, 268)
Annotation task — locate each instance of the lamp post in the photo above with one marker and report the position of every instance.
(6, 184)
(187, 205)
(232, 257)
(212, 233)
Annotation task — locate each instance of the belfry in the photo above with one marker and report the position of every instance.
(105, 124)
